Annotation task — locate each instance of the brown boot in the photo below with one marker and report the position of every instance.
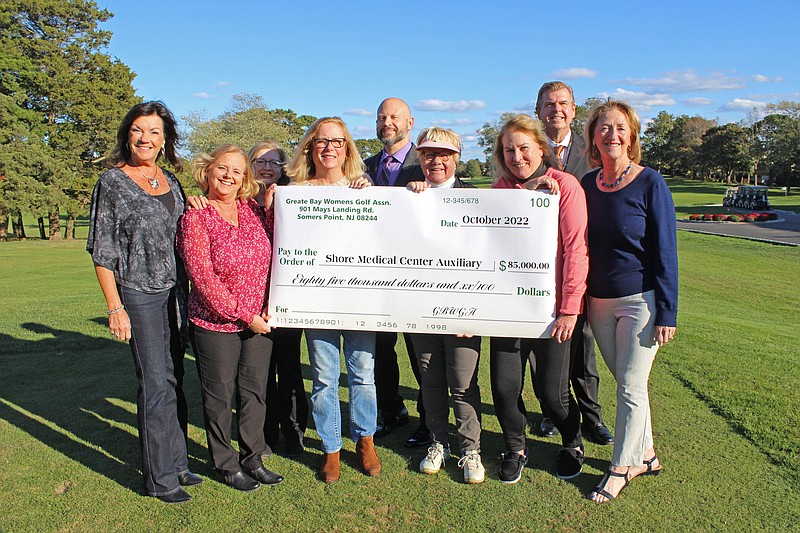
(367, 457)
(329, 467)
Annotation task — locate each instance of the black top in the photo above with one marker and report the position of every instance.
(132, 233)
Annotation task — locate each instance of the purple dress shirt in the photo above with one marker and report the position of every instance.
(391, 167)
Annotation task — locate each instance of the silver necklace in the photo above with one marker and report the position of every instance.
(154, 183)
(619, 179)
(230, 218)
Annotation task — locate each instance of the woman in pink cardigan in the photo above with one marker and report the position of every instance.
(524, 159)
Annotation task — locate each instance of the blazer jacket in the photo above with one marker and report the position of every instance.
(462, 184)
(410, 171)
(577, 163)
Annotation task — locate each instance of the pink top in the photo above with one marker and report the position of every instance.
(572, 261)
(228, 266)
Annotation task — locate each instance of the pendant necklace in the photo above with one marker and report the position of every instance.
(619, 179)
(154, 183)
(229, 218)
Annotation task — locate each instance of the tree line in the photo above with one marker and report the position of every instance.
(62, 96)
(765, 143)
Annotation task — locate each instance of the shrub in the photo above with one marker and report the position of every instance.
(694, 217)
(719, 217)
(772, 216)
(708, 217)
(750, 218)
(735, 218)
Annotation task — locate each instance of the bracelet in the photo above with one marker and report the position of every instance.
(115, 310)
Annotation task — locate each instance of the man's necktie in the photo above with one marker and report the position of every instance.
(559, 152)
(383, 175)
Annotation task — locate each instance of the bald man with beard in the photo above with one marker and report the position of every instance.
(395, 166)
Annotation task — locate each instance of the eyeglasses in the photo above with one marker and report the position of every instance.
(274, 163)
(444, 157)
(323, 143)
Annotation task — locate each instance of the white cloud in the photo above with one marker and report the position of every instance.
(514, 111)
(639, 100)
(358, 112)
(742, 104)
(455, 106)
(760, 78)
(469, 138)
(688, 81)
(775, 97)
(456, 122)
(698, 101)
(574, 73)
(363, 131)
(526, 108)
(222, 84)
(203, 95)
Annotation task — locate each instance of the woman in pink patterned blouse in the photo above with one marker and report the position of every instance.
(226, 248)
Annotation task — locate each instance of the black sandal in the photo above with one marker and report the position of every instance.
(650, 470)
(600, 489)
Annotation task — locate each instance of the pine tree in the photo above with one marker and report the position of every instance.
(62, 96)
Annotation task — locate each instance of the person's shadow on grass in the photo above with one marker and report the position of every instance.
(76, 393)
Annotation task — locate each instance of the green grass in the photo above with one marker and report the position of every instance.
(726, 412)
(482, 182)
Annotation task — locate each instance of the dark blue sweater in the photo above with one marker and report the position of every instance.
(632, 244)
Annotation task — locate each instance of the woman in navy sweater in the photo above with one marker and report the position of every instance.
(632, 282)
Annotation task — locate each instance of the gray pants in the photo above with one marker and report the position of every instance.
(447, 361)
(624, 329)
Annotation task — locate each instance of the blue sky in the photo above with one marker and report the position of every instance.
(462, 63)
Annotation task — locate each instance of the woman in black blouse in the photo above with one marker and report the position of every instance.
(134, 214)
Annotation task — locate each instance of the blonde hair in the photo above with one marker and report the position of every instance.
(301, 168)
(203, 162)
(266, 146)
(635, 148)
(531, 127)
(441, 135)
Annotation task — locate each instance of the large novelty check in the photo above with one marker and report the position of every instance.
(470, 261)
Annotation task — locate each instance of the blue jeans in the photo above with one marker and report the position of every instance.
(161, 440)
(359, 358)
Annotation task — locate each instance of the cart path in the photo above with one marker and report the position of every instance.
(785, 230)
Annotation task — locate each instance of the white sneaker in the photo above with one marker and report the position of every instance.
(437, 455)
(473, 468)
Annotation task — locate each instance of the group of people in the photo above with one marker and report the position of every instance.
(616, 280)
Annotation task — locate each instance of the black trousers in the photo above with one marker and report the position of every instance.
(179, 336)
(585, 378)
(231, 363)
(387, 375)
(287, 406)
(507, 360)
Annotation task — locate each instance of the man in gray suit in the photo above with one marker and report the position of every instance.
(395, 166)
(555, 107)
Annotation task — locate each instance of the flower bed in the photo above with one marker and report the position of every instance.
(720, 217)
